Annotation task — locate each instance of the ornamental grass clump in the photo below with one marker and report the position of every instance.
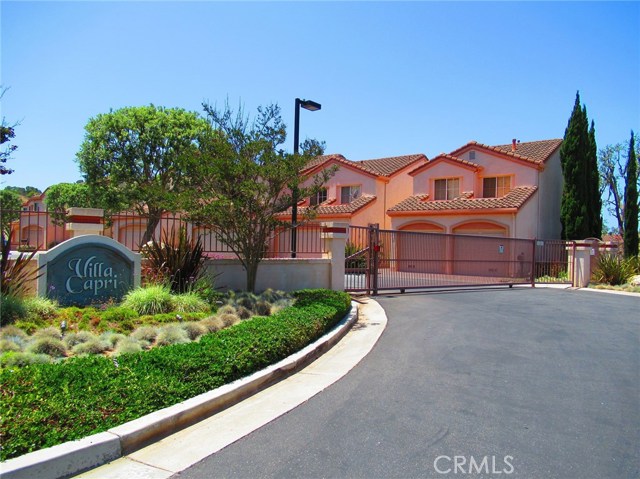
(93, 346)
(38, 308)
(213, 324)
(112, 338)
(154, 299)
(189, 303)
(145, 333)
(6, 346)
(47, 345)
(612, 269)
(128, 346)
(171, 334)
(49, 332)
(20, 359)
(229, 319)
(73, 339)
(194, 329)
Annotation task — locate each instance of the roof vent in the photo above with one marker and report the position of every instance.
(514, 145)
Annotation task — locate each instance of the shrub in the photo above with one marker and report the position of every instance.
(18, 359)
(45, 405)
(73, 339)
(263, 308)
(128, 346)
(7, 345)
(612, 269)
(47, 345)
(226, 309)
(49, 332)
(112, 338)
(229, 319)
(119, 314)
(194, 329)
(17, 274)
(171, 334)
(12, 333)
(244, 313)
(93, 346)
(213, 324)
(153, 299)
(39, 308)
(177, 259)
(11, 308)
(145, 333)
(190, 303)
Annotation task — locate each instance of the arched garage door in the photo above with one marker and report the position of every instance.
(421, 253)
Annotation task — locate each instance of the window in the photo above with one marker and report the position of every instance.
(447, 189)
(496, 187)
(349, 193)
(319, 197)
(472, 155)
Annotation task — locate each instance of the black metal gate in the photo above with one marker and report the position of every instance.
(378, 260)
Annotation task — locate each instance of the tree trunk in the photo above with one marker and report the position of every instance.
(152, 223)
(252, 274)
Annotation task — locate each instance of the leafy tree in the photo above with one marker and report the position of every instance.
(26, 191)
(579, 213)
(7, 133)
(612, 164)
(593, 185)
(243, 179)
(137, 157)
(62, 196)
(10, 206)
(631, 203)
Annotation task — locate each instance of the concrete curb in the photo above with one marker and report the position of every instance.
(75, 457)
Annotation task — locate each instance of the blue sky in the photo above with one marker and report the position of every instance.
(393, 78)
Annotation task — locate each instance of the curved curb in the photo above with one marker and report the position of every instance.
(74, 457)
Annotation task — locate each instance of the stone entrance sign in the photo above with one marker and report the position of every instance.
(88, 269)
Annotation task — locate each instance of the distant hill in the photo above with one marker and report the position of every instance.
(25, 192)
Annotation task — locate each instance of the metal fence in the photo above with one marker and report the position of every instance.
(399, 260)
(35, 231)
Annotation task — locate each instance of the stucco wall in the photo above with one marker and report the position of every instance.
(279, 274)
(550, 197)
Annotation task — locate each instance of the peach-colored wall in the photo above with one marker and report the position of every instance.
(423, 182)
(523, 174)
(549, 197)
(451, 222)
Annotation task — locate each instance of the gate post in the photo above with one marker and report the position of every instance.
(374, 249)
(335, 237)
(533, 264)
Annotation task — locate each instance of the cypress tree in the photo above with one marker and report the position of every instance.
(593, 186)
(631, 203)
(573, 153)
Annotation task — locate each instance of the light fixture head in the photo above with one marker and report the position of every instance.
(310, 105)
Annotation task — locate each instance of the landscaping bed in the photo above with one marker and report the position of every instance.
(47, 404)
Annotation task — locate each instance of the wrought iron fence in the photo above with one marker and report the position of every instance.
(35, 231)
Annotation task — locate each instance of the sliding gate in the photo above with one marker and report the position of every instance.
(378, 260)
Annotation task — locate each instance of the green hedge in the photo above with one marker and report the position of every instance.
(47, 404)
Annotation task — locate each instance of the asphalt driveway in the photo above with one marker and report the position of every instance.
(528, 383)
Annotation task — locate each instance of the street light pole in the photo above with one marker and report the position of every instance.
(311, 106)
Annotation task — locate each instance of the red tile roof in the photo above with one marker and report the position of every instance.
(534, 152)
(419, 203)
(445, 157)
(377, 167)
(329, 208)
(393, 164)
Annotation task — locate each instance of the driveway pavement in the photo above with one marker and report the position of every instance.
(528, 383)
